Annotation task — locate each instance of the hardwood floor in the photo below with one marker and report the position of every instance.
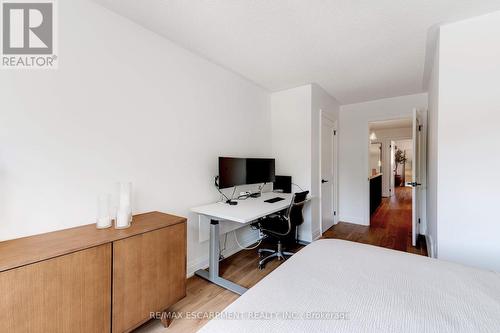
(204, 297)
(390, 228)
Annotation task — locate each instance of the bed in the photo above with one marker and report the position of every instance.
(341, 286)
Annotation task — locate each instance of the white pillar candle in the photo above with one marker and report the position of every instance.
(103, 212)
(123, 218)
(124, 211)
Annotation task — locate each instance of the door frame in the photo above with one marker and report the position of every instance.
(422, 162)
(335, 154)
(391, 152)
(415, 177)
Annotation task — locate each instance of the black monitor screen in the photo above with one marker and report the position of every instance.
(232, 171)
(239, 171)
(283, 183)
(260, 170)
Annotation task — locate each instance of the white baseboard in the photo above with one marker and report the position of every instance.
(354, 220)
(316, 234)
(202, 262)
(430, 246)
(196, 264)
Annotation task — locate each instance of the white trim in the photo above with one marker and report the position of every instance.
(353, 220)
(415, 165)
(334, 124)
(423, 173)
(336, 172)
(430, 246)
(196, 264)
(316, 234)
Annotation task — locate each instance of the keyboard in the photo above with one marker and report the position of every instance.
(273, 200)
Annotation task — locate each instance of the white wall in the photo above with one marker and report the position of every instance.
(295, 118)
(291, 141)
(125, 104)
(468, 193)
(353, 149)
(432, 156)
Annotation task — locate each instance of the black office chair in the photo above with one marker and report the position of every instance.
(282, 228)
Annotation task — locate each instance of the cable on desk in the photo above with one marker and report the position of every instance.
(216, 183)
(300, 188)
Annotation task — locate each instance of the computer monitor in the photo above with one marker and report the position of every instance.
(283, 183)
(232, 171)
(260, 170)
(240, 171)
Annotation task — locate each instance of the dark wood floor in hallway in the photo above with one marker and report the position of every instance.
(390, 226)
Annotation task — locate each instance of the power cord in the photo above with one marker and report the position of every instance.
(262, 187)
(223, 248)
(216, 183)
(244, 247)
(300, 188)
(228, 201)
(232, 195)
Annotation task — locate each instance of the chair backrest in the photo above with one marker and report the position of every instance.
(295, 215)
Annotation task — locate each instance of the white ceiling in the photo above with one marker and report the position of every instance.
(356, 50)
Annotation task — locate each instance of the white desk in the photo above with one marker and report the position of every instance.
(246, 211)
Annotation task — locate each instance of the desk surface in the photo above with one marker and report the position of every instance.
(247, 210)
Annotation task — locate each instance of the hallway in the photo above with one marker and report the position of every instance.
(390, 226)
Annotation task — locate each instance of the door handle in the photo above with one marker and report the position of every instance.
(414, 184)
(324, 181)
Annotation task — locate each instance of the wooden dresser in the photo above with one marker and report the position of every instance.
(89, 280)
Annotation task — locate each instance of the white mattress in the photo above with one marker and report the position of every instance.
(365, 288)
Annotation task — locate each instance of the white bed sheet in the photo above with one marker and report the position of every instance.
(363, 288)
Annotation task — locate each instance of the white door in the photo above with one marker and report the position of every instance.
(327, 174)
(392, 166)
(415, 178)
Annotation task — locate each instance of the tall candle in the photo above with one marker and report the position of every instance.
(103, 212)
(123, 218)
(124, 211)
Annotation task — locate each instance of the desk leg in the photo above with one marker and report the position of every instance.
(213, 264)
(214, 251)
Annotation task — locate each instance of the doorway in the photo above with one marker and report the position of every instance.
(394, 227)
(328, 173)
(392, 178)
